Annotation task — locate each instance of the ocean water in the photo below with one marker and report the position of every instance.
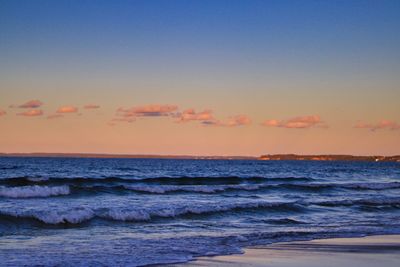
(134, 212)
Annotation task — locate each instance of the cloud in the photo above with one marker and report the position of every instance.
(302, 122)
(238, 120)
(91, 106)
(67, 109)
(154, 110)
(192, 115)
(383, 124)
(206, 117)
(30, 104)
(55, 116)
(31, 113)
(2, 112)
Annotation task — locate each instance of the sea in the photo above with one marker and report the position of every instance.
(137, 212)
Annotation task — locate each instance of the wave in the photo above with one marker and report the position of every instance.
(283, 221)
(395, 201)
(162, 189)
(372, 186)
(33, 191)
(182, 180)
(191, 188)
(9, 167)
(351, 186)
(48, 187)
(80, 215)
(125, 214)
(73, 216)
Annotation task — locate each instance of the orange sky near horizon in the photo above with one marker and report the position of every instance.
(145, 129)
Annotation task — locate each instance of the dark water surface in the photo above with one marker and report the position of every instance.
(129, 212)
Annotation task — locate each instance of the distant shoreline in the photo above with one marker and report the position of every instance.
(274, 157)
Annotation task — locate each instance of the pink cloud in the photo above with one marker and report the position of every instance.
(2, 112)
(154, 110)
(205, 117)
(31, 113)
(55, 116)
(238, 120)
(29, 104)
(192, 115)
(302, 122)
(67, 109)
(383, 124)
(91, 106)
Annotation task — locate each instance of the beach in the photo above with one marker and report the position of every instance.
(383, 251)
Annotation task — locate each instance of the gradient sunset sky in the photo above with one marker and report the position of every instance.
(200, 77)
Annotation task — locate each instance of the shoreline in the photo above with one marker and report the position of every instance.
(368, 251)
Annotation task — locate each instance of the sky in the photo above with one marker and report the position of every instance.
(200, 77)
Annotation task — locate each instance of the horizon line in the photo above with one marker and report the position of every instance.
(121, 155)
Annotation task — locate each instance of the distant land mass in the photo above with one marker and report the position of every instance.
(273, 157)
(329, 157)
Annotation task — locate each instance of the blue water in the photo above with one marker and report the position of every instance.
(133, 212)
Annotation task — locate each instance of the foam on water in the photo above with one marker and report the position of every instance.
(79, 215)
(161, 189)
(33, 191)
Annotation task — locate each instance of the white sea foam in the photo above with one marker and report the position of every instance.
(79, 215)
(33, 191)
(127, 215)
(173, 211)
(73, 216)
(161, 189)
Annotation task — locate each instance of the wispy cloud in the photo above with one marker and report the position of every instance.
(2, 112)
(302, 122)
(29, 104)
(206, 117)
(383, 124)
(153, 110)
(91, 106)
(31, 113)
(238, 120)
(192, 115)
(67, 109)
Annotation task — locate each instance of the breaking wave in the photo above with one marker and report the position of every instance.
(182, 180)
(33, 191)
(79, 215)
(191, 188)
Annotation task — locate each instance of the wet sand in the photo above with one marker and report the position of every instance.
(381, 251)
